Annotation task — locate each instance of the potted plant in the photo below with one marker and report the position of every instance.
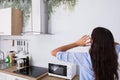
(53, 4)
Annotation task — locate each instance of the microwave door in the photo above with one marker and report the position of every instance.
(58, 69)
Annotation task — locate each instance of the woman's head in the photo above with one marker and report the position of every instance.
(103, 54)
(102, 37)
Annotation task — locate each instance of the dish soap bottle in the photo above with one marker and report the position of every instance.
(7, 59)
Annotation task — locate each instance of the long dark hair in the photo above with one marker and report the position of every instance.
(103, 55)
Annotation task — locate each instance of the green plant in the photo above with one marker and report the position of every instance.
(53, 4)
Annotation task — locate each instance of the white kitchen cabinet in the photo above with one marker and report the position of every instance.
(4, 76)
(11, 77)
(11, 21)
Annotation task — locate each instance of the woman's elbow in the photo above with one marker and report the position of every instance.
(53, 53)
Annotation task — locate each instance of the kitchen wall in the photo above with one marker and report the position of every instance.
(68, 26)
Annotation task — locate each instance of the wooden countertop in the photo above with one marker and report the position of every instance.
(55, 78)
(44, 77)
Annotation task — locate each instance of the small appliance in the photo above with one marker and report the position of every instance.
(62, 70)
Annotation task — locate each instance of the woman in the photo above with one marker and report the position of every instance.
(100, 62)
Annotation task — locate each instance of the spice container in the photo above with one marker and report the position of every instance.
(11, 55)
(20, 63)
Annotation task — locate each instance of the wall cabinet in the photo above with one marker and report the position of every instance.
(11, 21)
(4, 76)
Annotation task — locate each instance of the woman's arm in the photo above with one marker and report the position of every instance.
(81, 42)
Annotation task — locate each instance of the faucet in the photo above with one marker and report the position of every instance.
(1, 56)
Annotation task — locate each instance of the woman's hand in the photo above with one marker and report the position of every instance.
(84, 41)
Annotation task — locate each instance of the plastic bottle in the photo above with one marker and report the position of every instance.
(7, 59)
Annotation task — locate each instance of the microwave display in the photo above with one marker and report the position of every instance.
(58, 69)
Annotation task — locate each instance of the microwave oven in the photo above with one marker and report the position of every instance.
(62, 70)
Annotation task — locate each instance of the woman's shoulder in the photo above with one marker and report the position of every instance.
(82, 54)
(118, 45)
(84, 59)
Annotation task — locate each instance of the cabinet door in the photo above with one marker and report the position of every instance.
(11, 77)
(18, 78)
(5, 21)
(4, 76)
(10, 21)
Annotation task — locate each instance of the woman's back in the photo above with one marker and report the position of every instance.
(100, 62)
(82, 59)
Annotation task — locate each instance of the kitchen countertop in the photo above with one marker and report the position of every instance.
(43, 77)
(55, 78)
